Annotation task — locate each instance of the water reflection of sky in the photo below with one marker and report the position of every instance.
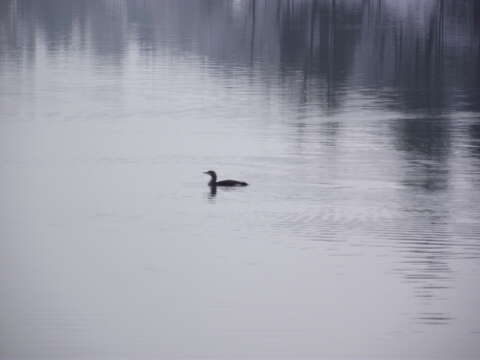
(360, 119)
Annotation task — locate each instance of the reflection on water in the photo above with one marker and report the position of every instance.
(213, 192)
(410, 56)
(357, 124)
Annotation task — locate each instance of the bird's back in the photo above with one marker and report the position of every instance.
(230, 183)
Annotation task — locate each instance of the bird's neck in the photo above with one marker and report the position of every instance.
(213, 180)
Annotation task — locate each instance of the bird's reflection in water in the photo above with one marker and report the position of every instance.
(213, 192)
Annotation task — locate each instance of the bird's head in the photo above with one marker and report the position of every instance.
(211, 173)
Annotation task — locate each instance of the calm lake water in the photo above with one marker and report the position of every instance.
(356, 123)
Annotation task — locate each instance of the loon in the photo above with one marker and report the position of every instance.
(213, 181)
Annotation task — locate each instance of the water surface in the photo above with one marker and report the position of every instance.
(356, 123)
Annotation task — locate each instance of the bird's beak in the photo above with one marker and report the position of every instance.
(205, 172)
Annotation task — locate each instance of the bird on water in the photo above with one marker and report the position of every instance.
(213, 181)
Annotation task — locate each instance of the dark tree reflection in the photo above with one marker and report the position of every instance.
(415, 60)
(426, 143)
(411, 58)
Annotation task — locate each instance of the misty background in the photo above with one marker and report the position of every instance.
(355, 122)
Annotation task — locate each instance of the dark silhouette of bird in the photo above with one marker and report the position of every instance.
(213, 181)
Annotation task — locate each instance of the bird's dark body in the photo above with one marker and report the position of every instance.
(230, 183)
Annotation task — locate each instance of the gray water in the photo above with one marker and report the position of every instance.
(356, 123)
